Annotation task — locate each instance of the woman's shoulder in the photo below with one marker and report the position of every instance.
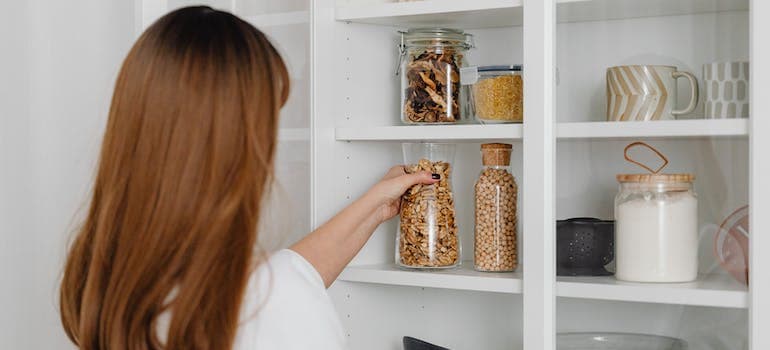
(285, 294)
(289, 266)
(282, 280)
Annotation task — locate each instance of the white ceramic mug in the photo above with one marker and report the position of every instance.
(646, 92)
(726, 90)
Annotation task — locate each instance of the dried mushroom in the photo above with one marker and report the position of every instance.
(434, 87)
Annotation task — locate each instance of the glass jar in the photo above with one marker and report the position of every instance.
(656, 228)
(497, 94)
(496, 193)
(429, 66)
(427, 235)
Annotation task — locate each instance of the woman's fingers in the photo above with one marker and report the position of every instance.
(409, 180)
(394, 172)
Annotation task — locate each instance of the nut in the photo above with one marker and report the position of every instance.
(499, 98)
(428, 234)
(495, 239)
(430, 98)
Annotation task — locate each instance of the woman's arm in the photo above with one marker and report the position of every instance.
(331, 247)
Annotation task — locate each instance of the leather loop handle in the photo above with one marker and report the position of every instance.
(640, 143)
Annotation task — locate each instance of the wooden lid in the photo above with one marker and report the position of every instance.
(656, 178)
(496, 154)
(496, 146)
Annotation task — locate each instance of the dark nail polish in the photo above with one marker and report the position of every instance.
(435, 176)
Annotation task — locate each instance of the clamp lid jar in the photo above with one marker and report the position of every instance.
(429, 65)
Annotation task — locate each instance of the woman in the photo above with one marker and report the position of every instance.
(166, 258)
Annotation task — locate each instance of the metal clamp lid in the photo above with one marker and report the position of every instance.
(432, 37)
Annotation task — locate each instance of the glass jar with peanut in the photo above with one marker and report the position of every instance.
(428, 236)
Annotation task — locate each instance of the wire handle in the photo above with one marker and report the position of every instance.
(640, 143)
(401, 52)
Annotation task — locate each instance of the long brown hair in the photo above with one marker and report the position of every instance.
(186, 158)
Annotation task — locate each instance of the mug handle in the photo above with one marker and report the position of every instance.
(693, 92)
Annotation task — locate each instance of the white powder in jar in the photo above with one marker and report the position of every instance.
(657, 238)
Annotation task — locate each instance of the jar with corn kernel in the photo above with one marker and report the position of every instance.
(496, 194)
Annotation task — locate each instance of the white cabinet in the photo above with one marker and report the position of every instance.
(343, 131)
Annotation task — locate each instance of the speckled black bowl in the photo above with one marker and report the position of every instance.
(417, 344)
(584, 246)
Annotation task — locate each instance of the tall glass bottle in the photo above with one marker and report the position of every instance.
(496, 194)
(428, 232)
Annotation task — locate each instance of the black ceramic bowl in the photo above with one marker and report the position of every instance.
(584, 246)
(417, 344)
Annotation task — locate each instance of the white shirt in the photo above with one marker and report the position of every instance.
(286, 307)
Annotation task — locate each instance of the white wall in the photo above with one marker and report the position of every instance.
(15, 272)
(58, 61)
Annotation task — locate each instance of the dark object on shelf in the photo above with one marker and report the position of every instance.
(417, 344)
(584, 246)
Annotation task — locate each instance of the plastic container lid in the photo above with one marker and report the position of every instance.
(501, 68)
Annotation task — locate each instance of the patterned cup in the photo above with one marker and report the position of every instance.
(726, 87)
(646, 92)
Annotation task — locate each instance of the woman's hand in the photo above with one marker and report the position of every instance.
(333, 245)
(389, 190)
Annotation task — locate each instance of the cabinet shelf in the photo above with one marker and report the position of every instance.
(674, 129)
(709, 290)
(467, 133)
(436, 13)
(713, 290)
(461, 278)
(506, 13)
(656, 129)
(279, 19)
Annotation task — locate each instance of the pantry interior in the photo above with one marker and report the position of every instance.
(343, 131)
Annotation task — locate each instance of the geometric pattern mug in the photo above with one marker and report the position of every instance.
(646, 92)
(726, 90)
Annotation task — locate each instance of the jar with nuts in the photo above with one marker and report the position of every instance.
(496, 193)
(427, 236)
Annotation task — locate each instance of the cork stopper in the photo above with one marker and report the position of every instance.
(496, 154)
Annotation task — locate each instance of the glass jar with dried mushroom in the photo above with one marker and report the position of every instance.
(427, 236)
(496, 194)
(430, 62)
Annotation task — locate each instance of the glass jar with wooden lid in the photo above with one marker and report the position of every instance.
(656, 225)
(495, 247)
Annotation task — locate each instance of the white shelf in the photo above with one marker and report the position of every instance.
(279, 19)
(709, 290)
(593, 10)
(505, 13)
(436, 13)
(696, 128)
(461, 278)
(431, 133)
(655, 129)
